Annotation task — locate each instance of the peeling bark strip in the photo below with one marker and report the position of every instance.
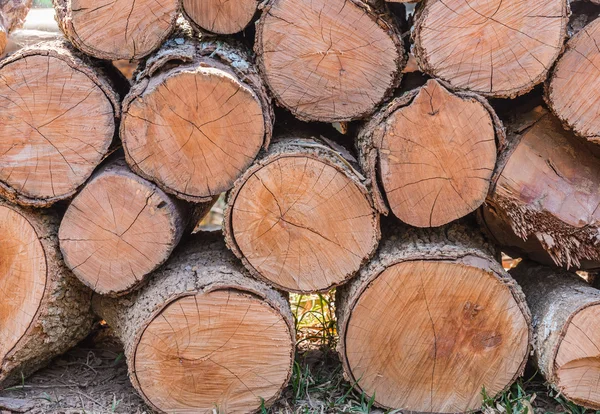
(335, 61)
(12, 16)
(547, 187)
(119, 228)
(196, 118)
(301, 217)
(117, 29)
(58, 112)
(44, 310)
(220, 16)
(566, 319)
(572, 90)
(201, 320)
(448, 321)
(500, 48)
(433, 153)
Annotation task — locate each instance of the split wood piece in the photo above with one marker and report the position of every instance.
(301, 217)
(433, 152)
(220, 16)
(113, 30)
(120, 228)
(196, 118)
(12, 17)
(448, 321)
(547, 186)
(335, 61)
(44, 309)
(58, 112)
(566, 319)
(573, 89)
(200, 321)
(498, 49)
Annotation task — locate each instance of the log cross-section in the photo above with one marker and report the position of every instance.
(220, 16)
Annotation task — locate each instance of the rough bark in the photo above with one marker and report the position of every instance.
(497, 49)
(239, 334)
(301, 217)
(44, 309)
(59, 112)
(113, 30)
(120, 228)
(456, 321)
(196, 117)
(220, 16)
(565, 311)
(12, 16)
(430, 154)
(546, 187)
(336, 61)
(573, 88)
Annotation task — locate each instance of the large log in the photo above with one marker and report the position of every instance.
(202, 336)
(546, 191)
(120, 228)
(196, 118)
(220, 16)
(433, 153)
(113, 30)
(58, 112)
(328, 60)
(44, 309)
(496, 48)
(12, 16)
(566, 320)
(573, 88)
(448, 320)
(301, 217)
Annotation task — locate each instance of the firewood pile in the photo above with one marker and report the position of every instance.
(391, 155)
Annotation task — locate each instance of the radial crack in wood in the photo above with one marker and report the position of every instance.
(301, 218)
(433, 152)
(220, 16)
(328, 60)
(499, 48)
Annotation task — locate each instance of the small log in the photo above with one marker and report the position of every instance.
(448, 320)
(12, 17)
(44, 309)
(572, 90)
(202, 336)
(328, 60)
(196, 118)
(58, 112)
(113, 30)
(120, 228)
(498, 49)
(220, 16)
(433, 153)
(566, 319)
(301, 217)
(547, 187)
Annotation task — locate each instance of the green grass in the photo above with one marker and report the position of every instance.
(41, 4)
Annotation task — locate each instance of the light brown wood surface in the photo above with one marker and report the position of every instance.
(220, 16)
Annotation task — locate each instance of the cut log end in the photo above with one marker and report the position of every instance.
(436, 156)
(438, 313)
(193, 131)
(220, 16)
(47, 105)
(113, 30)
(301, 223)
(334, 61)
(117, 230)
(499, 49)
(575, 84)
(219, 338)
(22, 277)
(577, 362)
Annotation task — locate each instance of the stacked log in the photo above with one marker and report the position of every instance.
(12, 16)
(202, 335)
(44, 310)
(449, 322)
(220, 16)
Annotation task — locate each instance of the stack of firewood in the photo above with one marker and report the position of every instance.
(435, 120)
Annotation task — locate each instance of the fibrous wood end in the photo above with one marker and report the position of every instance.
(220, 16)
